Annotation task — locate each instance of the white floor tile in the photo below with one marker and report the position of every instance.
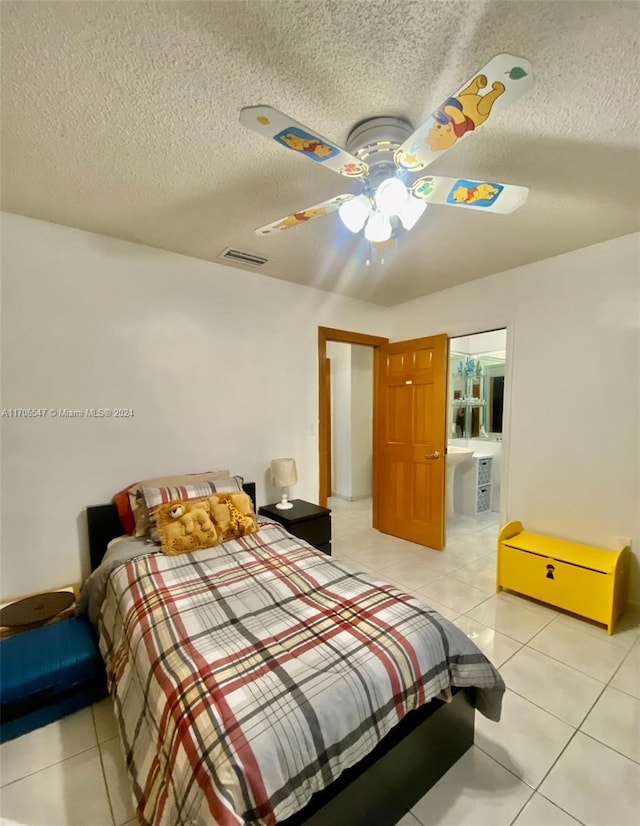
(579, 650)
(440, 561)
(527, 740)
(443, 610)
(70, 793)
(457, 595)
(615, 721)
(557, 688)
(412, 572)
(517, 621)
(377, 560)
(476, 791)
(466, 550)
(539, 608)
(627, 677)
(625, 634)
(118, 783)
(103, 716)
(480, 575)
(595, 784)
(494, 645)
(46, 746)
(541, 812)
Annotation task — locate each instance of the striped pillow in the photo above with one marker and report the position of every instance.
(133, 515)
(153, 498)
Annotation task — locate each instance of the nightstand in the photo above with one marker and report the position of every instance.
(304, 520)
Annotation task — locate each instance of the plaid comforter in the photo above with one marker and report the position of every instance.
(248, 676)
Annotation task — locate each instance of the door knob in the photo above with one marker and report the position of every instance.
(435, 455)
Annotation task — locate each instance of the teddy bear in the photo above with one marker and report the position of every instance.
(184, 527)
(463, 113)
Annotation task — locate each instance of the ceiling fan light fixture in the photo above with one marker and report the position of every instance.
(378, 227)
(354, 212)
(391, 196)
(411, 211)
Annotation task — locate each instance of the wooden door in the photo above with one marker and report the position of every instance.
(411, 439)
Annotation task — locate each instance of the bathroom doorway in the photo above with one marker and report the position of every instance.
(351, 381)
(475, 429)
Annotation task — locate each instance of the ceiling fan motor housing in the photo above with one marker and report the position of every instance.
(375, 141)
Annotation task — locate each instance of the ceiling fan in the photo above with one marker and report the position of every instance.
(384, 153)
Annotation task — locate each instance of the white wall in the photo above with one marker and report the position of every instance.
(219, 366)
(361, 421)
(340, 355)
(351, 419)
(571, 461)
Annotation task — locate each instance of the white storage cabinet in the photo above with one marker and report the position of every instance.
(472, 488)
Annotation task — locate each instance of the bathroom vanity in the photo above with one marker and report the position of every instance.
(473, 486)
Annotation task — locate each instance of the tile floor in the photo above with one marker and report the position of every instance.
(566, 752)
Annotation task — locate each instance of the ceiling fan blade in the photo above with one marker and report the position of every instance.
(293, 135)
(304, 215)
(497, 85)
(463, 192)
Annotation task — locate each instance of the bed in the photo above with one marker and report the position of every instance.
(208, 685)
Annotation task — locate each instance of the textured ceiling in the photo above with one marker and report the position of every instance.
(122, 118)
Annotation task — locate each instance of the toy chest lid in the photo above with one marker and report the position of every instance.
(48, 660)
(563, 550)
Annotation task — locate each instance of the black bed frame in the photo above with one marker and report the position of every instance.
(390, 780)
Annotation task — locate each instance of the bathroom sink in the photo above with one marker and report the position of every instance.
(456, 456)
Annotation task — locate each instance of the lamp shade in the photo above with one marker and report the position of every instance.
(411, 211)
(283, 472)
(391, 196)
(378, 228)
(354, 213)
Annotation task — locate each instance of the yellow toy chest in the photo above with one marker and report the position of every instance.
(591, 582)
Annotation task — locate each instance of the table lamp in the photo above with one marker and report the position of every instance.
(283, 475)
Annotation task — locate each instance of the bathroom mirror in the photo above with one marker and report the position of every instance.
(493, 394)
(476, 386)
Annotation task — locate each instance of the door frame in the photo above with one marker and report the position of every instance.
(509, 326)
(326, 334)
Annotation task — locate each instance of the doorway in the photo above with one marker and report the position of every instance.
(475, 428)
(326, 335)
(351, 371)
(409, 433)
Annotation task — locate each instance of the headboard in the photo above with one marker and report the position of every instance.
(104, 525)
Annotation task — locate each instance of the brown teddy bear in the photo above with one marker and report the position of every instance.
(185, 527)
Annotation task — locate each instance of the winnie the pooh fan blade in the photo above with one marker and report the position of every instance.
(293, 135)
(497, 85)
(304, 215)
(464, 192)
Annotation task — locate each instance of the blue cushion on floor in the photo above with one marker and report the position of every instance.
(48, 673)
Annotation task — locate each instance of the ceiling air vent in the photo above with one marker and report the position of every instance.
(247, 259)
